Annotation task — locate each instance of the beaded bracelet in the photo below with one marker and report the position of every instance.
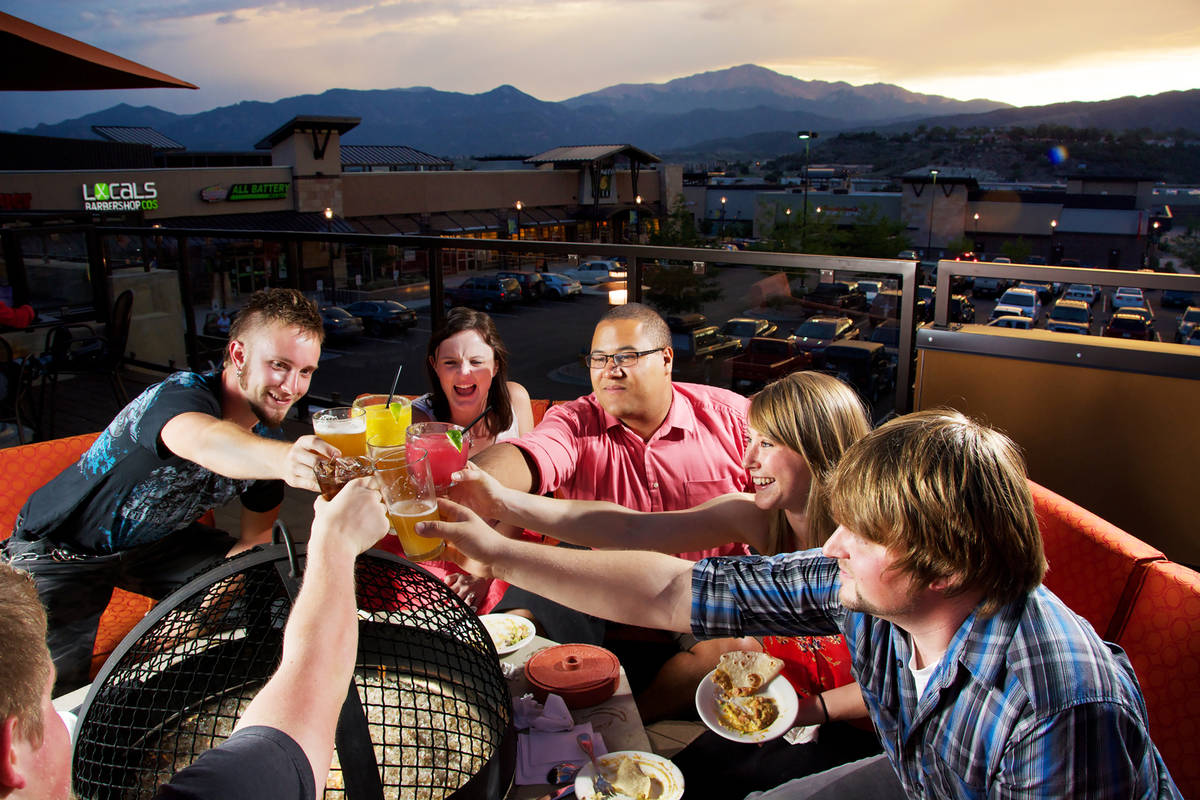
(824, 708)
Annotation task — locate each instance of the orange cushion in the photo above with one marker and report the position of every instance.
(1095, 567)
(539, 409)
(1162, 638)
(29, 467)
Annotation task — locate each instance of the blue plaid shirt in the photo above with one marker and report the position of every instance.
(1025, 703)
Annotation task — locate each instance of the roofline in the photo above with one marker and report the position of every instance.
(305, 123)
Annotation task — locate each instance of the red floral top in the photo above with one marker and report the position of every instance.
(812, 664)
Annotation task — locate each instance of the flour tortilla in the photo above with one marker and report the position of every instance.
(741, 673)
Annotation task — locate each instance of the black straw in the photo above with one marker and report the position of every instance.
(395, 383)
(482, 414)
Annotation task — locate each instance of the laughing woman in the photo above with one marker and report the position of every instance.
(799, 428)
(468, 370)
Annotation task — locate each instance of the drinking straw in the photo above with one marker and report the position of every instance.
(395, 383)
(482, 414)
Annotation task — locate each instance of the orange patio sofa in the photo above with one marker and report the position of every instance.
(1133, 596)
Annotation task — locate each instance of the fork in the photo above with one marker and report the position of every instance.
(602, 784)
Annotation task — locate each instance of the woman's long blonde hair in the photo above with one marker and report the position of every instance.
(819, 417)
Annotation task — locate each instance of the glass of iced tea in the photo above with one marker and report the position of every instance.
(407, 485)
(334, 473)
(447, 446)
(345, 428)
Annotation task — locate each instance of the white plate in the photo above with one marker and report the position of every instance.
(508, 631)
(661, 771)
(708, 702)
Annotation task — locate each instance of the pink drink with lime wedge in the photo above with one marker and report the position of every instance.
(447, 454)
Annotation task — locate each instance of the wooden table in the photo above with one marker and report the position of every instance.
(616, 719)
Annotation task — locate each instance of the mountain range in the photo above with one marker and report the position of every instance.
(746, 102)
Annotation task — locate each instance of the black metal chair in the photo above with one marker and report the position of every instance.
(76, 349)
(17, 404)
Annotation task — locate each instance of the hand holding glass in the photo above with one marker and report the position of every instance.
(446, 456)
(408, 491)
(345, 428)
(334, 473)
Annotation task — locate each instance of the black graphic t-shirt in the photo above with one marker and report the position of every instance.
(128, 489)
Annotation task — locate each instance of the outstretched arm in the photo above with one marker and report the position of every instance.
(508, 464)
(648, 589)
(304, 697)
(729, 518)
(230, 450)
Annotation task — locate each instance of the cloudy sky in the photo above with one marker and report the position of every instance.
(1024, 52)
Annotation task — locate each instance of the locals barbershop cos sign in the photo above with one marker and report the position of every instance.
(120, 196)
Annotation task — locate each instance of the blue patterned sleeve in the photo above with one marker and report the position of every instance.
(180, 393)
(788, 594)
(1096, 750)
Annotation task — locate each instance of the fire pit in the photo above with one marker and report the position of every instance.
(428, 714)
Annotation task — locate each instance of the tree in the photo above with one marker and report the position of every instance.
(679, 227)
(1185, 247)
(1019, 251)
(676, 288)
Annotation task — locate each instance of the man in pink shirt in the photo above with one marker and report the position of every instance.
(639, 440)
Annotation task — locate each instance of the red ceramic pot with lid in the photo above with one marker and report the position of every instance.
(581, 674)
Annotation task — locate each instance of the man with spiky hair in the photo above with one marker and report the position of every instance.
(126, 513)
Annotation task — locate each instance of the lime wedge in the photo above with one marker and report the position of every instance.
(455, 437)
(397, 410)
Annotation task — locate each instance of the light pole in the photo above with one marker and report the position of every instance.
(519, 206)
(976, 242)
(1151, 240)
(1053, 225)
(721, 231)
(933, 173)
(806, 137)
(637, 218)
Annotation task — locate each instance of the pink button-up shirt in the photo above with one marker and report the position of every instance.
(582, 452)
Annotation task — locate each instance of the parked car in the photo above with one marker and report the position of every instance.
(383, 316)
(816, 333)
(1044, 289)
(1142, 311)
(1020, 302)
(486, 292)
(1127, 296)
(886, 305)
(701, 343)
(988, 287)
(838, 294)
(1012, 321)
(960, 309)
(340, 323)
(1070, 316)
(561, 286)
(1193, 336)
(216, 323)
(746, 328)
(1082, 291)
(1123, 325)
(1188, 321)
(909, 255)
(887, 333)
(597, 271)
(531, 283)
(926, 297)
(1001, 260)
(767, 359)
(870, 289)
(863, 365)
(1177, 299)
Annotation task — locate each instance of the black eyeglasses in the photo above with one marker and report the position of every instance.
(626, 359)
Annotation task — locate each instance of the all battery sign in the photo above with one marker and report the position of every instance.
(258, 191)
(120, 196)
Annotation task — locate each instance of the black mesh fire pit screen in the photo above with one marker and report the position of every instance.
(428, 715)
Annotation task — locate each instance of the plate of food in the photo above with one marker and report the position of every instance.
(634, 775)
(746, 699)
(508, 631)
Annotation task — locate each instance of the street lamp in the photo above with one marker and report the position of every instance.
(1151, 240)
(637, 218)
(519, 206)
(976, 242)
(933, 173)
(806, 137)
(721, 231)
(1053, 225)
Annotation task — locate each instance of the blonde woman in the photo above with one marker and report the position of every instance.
(799, 428)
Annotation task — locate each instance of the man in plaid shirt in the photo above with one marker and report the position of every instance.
(980, 682)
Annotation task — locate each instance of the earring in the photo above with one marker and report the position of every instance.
(239, 372)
